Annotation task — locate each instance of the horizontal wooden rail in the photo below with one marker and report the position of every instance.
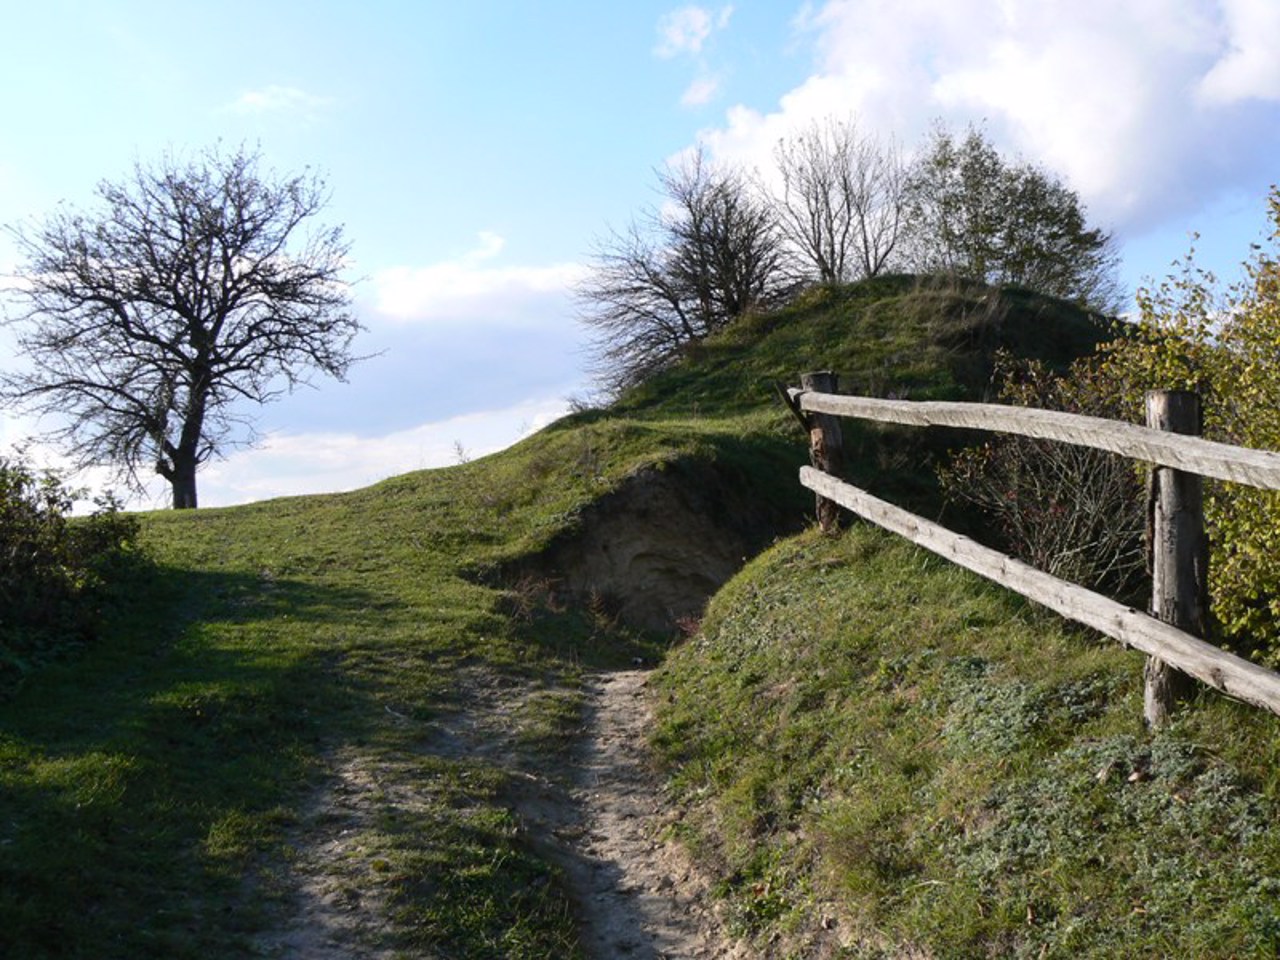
(1221, 670)
(1257, 468)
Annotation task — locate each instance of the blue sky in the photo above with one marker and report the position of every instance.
(476, 152)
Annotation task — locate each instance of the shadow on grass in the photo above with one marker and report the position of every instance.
(141, 780)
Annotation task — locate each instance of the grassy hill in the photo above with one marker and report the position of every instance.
(874, 750)
(885, 756)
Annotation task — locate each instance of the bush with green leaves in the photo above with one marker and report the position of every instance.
(1193, 335)
(54, 570)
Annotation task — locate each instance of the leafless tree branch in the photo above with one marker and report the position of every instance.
(189, 290)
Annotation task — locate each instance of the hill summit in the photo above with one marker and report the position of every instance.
(661, 542)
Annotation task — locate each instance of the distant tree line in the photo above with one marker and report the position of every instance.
(844, 205)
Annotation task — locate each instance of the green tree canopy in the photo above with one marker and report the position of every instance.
(971, 212)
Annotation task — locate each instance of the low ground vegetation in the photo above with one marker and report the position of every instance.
(880, 752)
(874, 751)
(57, 575)
(153, 786)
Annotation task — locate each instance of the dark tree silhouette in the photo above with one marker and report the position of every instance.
(189, 293)
(680, 273)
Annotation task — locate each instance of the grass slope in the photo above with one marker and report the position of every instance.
(895, 336)
(921, 338)
(882, 755)
(152, 789)
(874, 741)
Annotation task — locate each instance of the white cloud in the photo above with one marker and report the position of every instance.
(1250, 69)
(1128, 102)
(686, 30)
(292, 464)
(277, 99)
(468, 287)
(701, 92)
(289, 464)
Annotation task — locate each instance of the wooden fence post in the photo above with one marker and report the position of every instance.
(1179, 552)
(826, 445)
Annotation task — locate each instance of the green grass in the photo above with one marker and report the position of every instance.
(863, 730)
(154, 791)
(142, 783)
(899, 335)
(157, 789)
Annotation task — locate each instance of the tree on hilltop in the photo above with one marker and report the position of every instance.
(149, 322)
(972, 213)
(841, 200)
(680, 272)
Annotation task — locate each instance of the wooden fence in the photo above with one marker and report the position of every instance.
(1179, 550)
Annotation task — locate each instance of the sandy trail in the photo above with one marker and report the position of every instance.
(602, 821)
(639, 894)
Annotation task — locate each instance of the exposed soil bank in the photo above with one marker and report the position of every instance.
(656, 548)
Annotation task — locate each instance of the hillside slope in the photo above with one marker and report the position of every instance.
(391, 672)
(884, 756)
(918, 337)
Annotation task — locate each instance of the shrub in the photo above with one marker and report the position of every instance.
(1193, 335)
(54, 570)
(1074, 512)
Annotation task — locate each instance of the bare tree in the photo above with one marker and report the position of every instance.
(842, 199)
(679, 273)
(639, 314)
(149, 322)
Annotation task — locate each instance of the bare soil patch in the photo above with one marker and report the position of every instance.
(595, 810)
(638, 892)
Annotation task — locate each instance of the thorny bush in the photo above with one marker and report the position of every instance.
(1074, 512)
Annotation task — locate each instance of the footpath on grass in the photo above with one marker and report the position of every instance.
(639, 894)
(597, 814)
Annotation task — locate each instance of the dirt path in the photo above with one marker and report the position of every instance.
(602, 821)
(639, 895)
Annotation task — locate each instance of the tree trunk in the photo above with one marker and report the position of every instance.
(186, 457)
(183, 482)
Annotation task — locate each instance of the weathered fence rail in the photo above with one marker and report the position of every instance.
(1179, 554)
(1221, 461)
